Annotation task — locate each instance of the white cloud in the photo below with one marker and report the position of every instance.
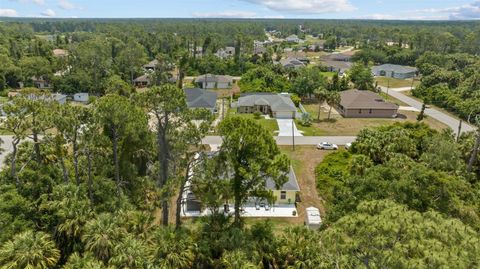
(465, 12)
(306, 6)
(64, 4)
(404, 17)
(38, 2)
(48, 13)
(8, 12)
(225, 14)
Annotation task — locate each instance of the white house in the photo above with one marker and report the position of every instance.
(209, 81)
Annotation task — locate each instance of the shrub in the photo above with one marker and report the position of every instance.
(306, 120)
(257, 115)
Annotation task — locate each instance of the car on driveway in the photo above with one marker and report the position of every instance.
(327, 146)
(348, 146)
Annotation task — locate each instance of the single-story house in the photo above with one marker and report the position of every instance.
(151, 65)
(394, 71)
(40, 82)
(57, 97)
(277, 105)
(294, 39)
(287, 193)
(142, 81)
(225, 52)
(81, 97)
(365, 104)
(60, 53)
(292, 63)
(201, 98)
(337, 66)
(209, 81)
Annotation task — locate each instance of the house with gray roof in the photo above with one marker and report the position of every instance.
(201, 98)
(209, 81)
(142, 81)
(292, 62)
(277, 105)
(151, 65)
(394, 71)
(226, 52)
(365, 104)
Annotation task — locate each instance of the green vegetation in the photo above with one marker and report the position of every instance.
(271, 124)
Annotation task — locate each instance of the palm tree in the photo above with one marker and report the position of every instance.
(29, 249)
(130, 253)
(101, 235)
(237, 260)
(322, 95)
(333, 99)
(75, 261)
(172, 249)
(359, 164)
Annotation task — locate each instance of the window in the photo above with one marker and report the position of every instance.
(283, 195)
(359, 111)
(370, 111)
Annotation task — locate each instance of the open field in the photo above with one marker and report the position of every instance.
(338, 125)
(396, 83)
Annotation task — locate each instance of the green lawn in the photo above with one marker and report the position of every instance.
(396, 83)
(270, 124)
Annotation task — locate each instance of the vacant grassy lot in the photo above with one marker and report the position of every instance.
(396, 83)
(339, 126)
(304, 161)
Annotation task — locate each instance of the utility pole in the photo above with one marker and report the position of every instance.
(459, 129)
(223, 108)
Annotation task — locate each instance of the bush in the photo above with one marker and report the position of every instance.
(257, 115)
(306, 120)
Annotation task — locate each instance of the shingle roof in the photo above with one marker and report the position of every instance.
(399, 69)
(200, 98)
(277, 102)
(143, 78)
(355, 99)
(291, 62)
(290, 185)
(151, 64)
(214, 78)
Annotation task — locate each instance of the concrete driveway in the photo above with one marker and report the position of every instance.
(434, 113)
(285, 128)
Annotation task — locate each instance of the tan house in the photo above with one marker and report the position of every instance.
(365, 104)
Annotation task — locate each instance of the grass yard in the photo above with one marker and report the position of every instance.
(339, 126)
(270, 124)
(396, 83)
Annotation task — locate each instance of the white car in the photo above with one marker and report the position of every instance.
(327, 146)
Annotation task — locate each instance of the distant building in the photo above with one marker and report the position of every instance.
(81, 97)
(201, 98)
(394, 71)
(294, 39)
(151, 66)
(226, 52)
(40, 82)
(142, 81)
(292, 63)
(209, 81)
(276, 105)
(365, 104)
(60, 53)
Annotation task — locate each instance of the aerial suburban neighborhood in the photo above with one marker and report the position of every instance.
(280, 136)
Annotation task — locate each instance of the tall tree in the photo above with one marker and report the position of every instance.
(333, 99)
(250, 155)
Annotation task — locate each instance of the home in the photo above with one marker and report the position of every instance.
(284, 200)
(365, 104)
(226, 52)
(60, 53)
(142, 81)
(291, 63)
(294, 39)
(57, 97)
(40, 82)
(81, 97)
(394, 71)
(201, 98)
(340, 57)
(337, 66)
(276, 105)
(209, 81)
(151, 66)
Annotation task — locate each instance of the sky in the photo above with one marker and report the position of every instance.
(311, 9)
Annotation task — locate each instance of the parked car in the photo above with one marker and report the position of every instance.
(348, 146)
(327, 146)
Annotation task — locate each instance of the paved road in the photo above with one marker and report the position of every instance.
(434, 113)
(287, 140)
(285, 128)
